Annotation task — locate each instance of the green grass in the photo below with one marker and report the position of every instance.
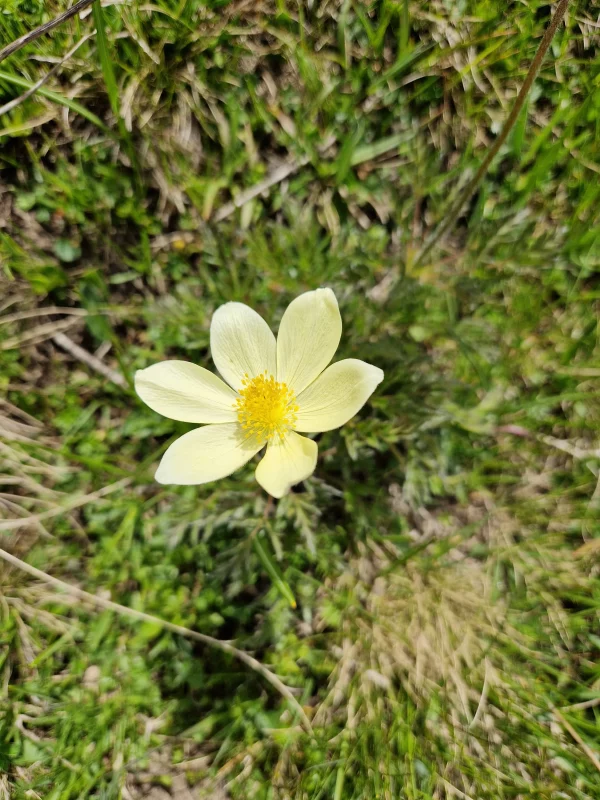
(443, 558)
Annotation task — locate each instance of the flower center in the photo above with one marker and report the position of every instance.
(265, 408)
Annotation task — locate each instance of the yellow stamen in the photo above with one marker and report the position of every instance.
(265, 408)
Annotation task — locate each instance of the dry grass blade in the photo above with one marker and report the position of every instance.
(585, 747)
(31, 36)
(77, 502)
(46, 330)
(226, 647)
(279, 174)
(453, 212)
(87, 358)
(21, 99)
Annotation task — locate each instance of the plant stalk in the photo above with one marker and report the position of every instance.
(454, 211)
(142, 616)
(31, 36)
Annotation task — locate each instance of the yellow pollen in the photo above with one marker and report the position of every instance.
(265, 408)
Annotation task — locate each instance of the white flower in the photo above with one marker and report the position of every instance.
(276, 388)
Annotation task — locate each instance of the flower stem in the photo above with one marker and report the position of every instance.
(142, 616)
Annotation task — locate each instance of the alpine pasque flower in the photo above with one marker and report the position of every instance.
(275, 390)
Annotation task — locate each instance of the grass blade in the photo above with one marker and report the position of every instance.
(112, 89)
(73, 105)
(268, 563)
(105, 59)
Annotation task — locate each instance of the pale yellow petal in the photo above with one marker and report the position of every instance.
(286, 463)
(336, 395)
(241, 343)
(206, 454)
(308, 337)
(186, 392)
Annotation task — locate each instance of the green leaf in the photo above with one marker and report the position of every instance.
(66, 251)
(268, 563)
(16, 80)
(347, 151)
(378, 148)
(517, 137)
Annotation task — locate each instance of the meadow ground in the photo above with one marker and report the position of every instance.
(444, 557)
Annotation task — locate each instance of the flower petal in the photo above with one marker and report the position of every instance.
(206, 454)
(186, 392)
(336, 395)
(286, 462)
(241, 342)
(308, 337)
